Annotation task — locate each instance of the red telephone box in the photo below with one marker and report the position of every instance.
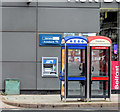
(99, 67)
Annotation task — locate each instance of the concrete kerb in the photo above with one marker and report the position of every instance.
(63, 105)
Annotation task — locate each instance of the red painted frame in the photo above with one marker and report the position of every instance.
(99, 47)
(99, 78)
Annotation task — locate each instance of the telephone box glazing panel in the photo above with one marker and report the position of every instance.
(76, 62)
(99, 62)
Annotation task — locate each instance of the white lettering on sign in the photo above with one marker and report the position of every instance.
(117, 77)
(100, 41)
(55, 38)
(49, 61)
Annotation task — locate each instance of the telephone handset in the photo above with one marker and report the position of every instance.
(92, 68)
(81, 68)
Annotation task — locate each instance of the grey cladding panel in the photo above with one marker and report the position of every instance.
(0, 46)
(18, 46)
(19, 3)
(68, 20)
(49, 52)
(47, 83)
(0, 18)
(109, 5)
(52, 1)
(1, 75)
(25, 72)
(18, 19)
(69, 4)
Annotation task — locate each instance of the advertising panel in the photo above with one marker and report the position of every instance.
(115, 77)
(63, 70)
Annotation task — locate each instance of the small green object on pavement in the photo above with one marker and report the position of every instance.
(12, 86)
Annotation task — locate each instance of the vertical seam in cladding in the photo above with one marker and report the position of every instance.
(36, 37)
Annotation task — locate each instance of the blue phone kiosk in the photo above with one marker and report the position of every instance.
(73, 75)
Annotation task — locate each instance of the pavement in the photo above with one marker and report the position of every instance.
(54, 101)
(6, 106)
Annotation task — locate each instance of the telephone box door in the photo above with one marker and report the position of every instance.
(76, 69)
(99, 72)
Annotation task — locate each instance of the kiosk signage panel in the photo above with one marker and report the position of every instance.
(99, 42)
(115, 75)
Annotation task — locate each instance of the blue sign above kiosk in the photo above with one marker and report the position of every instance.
(50, 39)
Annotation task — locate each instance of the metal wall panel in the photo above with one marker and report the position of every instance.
(69, 4)
(52, 0)
(17, 4)
(25, 72)
(109, 5)
(68, 20)
(0, 18)
(0, 3)
(1, 83)
(47, 83)
(18, 46)
(13, 1)
(0, 46)
(1, 75)
(49, 52)
(18, 19)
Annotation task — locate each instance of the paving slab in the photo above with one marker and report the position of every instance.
(6, 106)
(54, 101)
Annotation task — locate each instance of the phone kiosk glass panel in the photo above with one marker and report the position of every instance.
(99, 62)
(76, 62)
(76, 68)
(99, 88)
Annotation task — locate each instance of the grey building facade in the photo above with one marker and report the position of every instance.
(21, 25)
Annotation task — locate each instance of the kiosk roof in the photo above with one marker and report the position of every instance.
(74, 37)
(98, 37)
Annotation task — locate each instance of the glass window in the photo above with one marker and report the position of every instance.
(76, 88)
(99, 64)
(99, 88)
(109, 27)
(76, 62)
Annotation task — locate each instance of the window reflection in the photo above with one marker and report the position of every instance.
(99, 62)
(76, 62)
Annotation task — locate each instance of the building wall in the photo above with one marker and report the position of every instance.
(21, 25)
(19, 44)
